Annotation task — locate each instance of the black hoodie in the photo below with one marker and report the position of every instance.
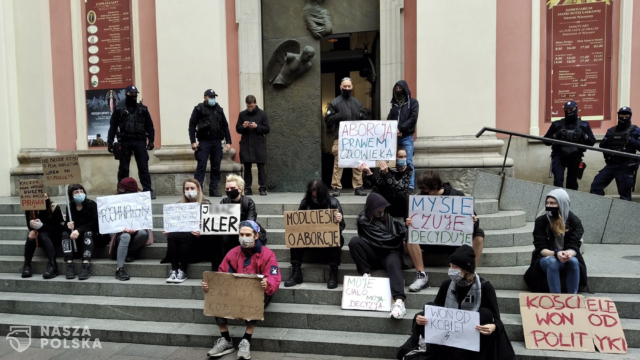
(407, 114)
(386, 233)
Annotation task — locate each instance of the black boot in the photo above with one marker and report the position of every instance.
(263, 191)
(26, 270)
(85, 271)
(70, 271)
(333, 277)
(52, 269)
(296, 276)
(248, 191)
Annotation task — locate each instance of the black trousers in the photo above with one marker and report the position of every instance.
(137, 148)
(369, 258)
(208, 150)
(44, 241)
(248, 177)
(332, 254)
(559, 164)
(622, 173)
(179, 250)
(84, 244)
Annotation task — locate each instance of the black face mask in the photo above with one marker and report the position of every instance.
(131, 99)
(346, 93)
(379, 216)
(553, 212)
(233, 194)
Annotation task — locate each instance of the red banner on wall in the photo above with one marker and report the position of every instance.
(579, 45)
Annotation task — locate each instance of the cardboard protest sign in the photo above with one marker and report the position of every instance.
(441, 220)
(452, 327)
(234, 296)
(182, 217)
(311, 228)
(131, 211)
(31, 195)
(61, 170)
(366, 141)
(555, 322)
(221, 219)
(605, 325)
(366, 293)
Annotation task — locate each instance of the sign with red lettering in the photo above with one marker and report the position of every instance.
(31, 195)
(61, 170)
(579, 43)
(441, 220)
(605, 325)
(366, 142)
(311, 228)
(555, 322)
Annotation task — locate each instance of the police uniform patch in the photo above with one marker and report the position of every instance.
(274, 270)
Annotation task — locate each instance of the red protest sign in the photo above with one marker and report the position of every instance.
(605, 325)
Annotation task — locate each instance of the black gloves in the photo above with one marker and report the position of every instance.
(110, 147)
(150, 146)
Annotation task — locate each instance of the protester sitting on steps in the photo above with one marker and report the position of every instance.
(316, 198)
(127, 244)
(556, 262)
(393, 183)
(179, 244)
(430, 183)
(82, 231)
(379, 246)
(260, 260)
(466, 290)
(45, 227)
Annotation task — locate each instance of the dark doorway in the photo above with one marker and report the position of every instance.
(354, 55)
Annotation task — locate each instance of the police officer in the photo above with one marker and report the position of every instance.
(571, 129)
(131, 123)
(622, 137)
(209, 125)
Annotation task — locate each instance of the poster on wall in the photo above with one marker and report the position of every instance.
(100, 105)
(579, 45)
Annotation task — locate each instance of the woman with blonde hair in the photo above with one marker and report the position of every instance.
(556, 262)
(179, 244)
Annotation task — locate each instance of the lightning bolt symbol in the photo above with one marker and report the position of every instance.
(446, 337)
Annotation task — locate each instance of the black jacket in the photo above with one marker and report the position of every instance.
(85, 219)
(407, 114)
(53, 225)
(543, 238)
(247, 208)
(333, 204)
(114, 123)
(342, 109)
(206, 135)
(391, 183)
(252, 144)
(633, 145)
(555, 132)
(388, 233)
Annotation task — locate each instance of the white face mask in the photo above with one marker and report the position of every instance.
(191, 194)
(246, 242)
(454, 274)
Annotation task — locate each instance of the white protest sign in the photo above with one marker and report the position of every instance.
(222, 219)
(131, 211)
(452, 327)
(366, 141)
(366, 293)
(441, 220)
(182, 217)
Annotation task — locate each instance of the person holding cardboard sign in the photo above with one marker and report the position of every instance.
(45, 227)
(250, 257)
(83, 230)
(557, 237)
(317, 198)
(466, 290)
(379, 246)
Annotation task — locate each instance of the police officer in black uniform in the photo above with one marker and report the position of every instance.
(209, 125)
(571, 129)
(622, 137)
(131, 123)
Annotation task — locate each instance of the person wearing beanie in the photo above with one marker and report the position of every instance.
(250, 257)
(126, 245)
(556, 263)
(465, 290)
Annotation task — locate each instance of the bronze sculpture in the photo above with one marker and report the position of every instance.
(288, 63)
(317, 18)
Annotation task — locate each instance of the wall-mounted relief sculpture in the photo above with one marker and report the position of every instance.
(287, 63)
(317, 18)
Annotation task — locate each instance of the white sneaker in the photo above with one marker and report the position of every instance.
(221, 347)
(421, 282)
(244, 352)
(366, 275)
(398, 311)
(181, 277)
(172, 276)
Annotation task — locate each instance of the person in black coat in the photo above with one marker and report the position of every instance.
(466, 290)
(45, 227)
(379, 246)
(556, 262)
(317, 198)
(253, 125)
(81, 228)
(405, 110)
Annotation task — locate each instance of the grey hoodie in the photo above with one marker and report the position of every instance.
(564, 203)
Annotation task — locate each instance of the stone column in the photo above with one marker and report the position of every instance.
(392, 47)
(457, 88)
(624, 55)
(249, 20)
